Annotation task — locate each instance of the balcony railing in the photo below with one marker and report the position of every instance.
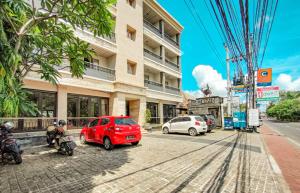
(172, 65)
(99, 71)
(152, 28)
(172, 90)
(170, 40)
(111, 37)
(153, 85)
(152, 56)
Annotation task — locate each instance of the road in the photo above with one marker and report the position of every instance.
(291, 130)
(221, 161)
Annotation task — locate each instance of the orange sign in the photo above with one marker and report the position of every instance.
(264, 75)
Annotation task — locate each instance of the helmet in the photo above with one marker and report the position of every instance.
(8, 125)
(61, 122)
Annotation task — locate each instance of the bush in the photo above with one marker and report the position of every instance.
(147, 116)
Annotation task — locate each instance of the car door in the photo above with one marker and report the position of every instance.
(92, 129)
(174, 125)
(101, 129)
(184, 125)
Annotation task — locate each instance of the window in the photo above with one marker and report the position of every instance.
(104, 121)
(176, 120)
(186, 119)
(131, 67)
(147, 77)
(167, 83)
(94, 123)
(132, 3)
(45, 102)
(200, 119)
(125, 121)
(131, 33)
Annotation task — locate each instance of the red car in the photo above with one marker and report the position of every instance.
(111, 130)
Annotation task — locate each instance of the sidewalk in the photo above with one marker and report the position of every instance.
(286, 155)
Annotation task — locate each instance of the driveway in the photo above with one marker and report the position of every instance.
(222, 161)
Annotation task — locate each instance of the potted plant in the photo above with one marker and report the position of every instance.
(147, 119)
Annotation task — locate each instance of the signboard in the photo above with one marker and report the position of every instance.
(208, 100)
(264, 77)
(269, 93)
(253, 117)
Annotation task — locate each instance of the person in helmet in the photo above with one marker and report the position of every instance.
(6, 128)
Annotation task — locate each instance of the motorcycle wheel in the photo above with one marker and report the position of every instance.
(17, 157)
(68, 150)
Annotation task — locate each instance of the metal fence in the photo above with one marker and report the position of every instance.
(30, 124)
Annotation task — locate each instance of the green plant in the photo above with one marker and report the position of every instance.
(38, 38)
(288, 109)
(147, 115)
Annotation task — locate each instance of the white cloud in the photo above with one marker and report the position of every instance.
(285, 82)
(205, 74)
(267, 20)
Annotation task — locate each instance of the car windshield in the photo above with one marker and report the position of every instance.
(125, 121)
(199, 118)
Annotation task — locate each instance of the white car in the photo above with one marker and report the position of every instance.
(192, 125)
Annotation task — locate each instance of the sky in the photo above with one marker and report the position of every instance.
(200, 65)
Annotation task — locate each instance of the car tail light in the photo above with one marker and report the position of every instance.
(197, 123)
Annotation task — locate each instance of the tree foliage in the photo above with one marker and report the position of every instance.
(288, 109)
(39, 38)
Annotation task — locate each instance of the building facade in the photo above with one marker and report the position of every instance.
(138, 67)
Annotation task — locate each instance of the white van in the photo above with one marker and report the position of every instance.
(192, 125)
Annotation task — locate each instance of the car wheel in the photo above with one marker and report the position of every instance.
(192, 132)
(82, 139)
(165, 130)
(107, 144)
(135, 143)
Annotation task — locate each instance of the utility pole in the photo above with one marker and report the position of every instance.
(228, 81)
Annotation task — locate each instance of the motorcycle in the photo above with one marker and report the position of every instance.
(9, 148)
(57, 137)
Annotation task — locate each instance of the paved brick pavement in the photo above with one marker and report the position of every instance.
(223, 161)
(286, 154)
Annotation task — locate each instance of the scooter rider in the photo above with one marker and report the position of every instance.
(61, 130)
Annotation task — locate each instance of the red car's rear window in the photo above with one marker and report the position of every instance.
(124, 121)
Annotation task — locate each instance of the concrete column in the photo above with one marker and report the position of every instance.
(163, 54)
(161, 112)
(62, 97)
(117, 104)
(163, 79)
(142, 110)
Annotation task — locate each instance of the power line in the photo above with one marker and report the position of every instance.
(201, 25)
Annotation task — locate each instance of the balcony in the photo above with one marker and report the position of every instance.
(172, 65)
(100, 71)
(152, 56)
(153, 85)
(172, 90)
(152, 28)
(171, 41)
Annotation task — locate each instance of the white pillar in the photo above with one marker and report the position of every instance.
(62, 97)
(161, 112)
(142, 110)
(117, 104)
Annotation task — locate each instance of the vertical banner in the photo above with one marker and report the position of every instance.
(264, 77)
